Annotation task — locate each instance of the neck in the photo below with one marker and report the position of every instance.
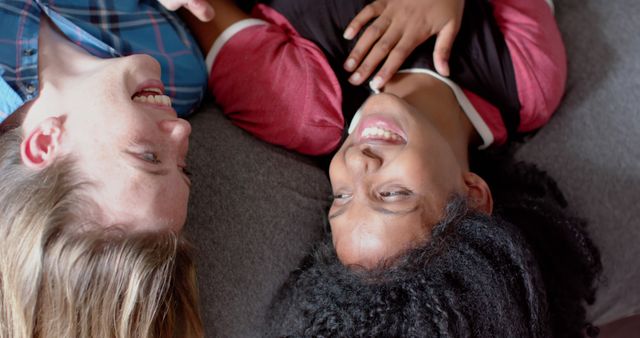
(58, 58)
(435, 99)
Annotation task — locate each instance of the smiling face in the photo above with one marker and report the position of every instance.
(391, 180)
(124, 136)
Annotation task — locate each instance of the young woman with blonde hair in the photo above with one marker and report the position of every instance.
(60, 276)
(92, 164)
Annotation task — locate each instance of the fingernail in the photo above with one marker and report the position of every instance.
(442, 68)
(376, 82)
(348, 33)
(209, 13)
(355, 78)
(350, 64)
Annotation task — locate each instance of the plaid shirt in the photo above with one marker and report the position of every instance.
(104, 28)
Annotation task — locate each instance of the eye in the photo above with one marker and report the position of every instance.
(187, 175)
(186, 172)
(150, 157)
(395, 194)
(339, 198)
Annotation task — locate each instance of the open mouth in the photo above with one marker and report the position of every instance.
(376, 133)
(377, 128)
(152, 95)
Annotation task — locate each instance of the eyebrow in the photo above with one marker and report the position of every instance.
(381, 210)
(159, 172)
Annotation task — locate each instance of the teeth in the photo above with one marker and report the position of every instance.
(163, 100)
(377, 132)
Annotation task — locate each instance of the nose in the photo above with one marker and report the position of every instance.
(141, 61)
(178, 131)
(176, 128)
(362, 159)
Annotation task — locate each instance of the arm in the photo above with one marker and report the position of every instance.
(269, 80)
(538, 57)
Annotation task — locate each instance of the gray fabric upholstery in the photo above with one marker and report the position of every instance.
(592, 144)
(255, 209)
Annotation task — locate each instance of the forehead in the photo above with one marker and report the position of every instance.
(369, 241)
(364, 233)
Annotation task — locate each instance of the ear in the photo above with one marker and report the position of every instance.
(42, 145)
(478, 193)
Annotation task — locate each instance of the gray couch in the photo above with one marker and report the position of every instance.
(256, 209)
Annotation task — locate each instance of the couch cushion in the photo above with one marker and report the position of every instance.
(255, 209)
(592, 145)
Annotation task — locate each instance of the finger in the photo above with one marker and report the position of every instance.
(377, 54)
(396, 57)
(442, 49)
(201, 9)
(365, 42)
(171, 5)
(369, 12)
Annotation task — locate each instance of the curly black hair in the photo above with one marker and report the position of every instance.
(565, 254)
(525, 271)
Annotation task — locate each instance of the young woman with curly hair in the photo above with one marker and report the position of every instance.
(405, 258)
(525, 271)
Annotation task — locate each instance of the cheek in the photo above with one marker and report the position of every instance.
(179, 205)
(184, 201)
(414, 167)
(336, 167)
(414, 171)
(437, 177)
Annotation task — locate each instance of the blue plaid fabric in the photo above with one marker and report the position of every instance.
(104, 28)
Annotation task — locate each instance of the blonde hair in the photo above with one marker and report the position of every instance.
(61, 277)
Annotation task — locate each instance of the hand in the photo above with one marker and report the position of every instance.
(399, 27)
(201, 9)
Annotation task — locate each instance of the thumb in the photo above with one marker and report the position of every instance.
(442, 49)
